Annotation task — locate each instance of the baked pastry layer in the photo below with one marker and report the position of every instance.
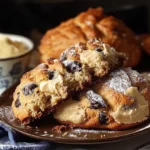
(86, 25)
(119, 101)
(44, 87)
(144, 40)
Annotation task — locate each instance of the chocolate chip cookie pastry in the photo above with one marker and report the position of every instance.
(119, 101)
(86, 25)
(48, 84)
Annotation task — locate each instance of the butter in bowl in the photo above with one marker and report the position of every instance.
(15, 53)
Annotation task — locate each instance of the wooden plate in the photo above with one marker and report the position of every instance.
(43, 128)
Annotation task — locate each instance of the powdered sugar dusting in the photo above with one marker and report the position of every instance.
(92, 131)
(94, 40)
(56, 60)
(70, 51)
(135, 77)
(146, 75)
(72, 135)
(80, 46)
(43, 66)
(119, 81)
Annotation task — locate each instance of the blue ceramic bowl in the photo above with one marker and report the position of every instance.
(12, 68)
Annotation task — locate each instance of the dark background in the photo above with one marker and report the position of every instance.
(32, 18)
(24, 16)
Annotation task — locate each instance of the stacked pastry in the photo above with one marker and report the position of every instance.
(89, 24)
(119, 101)
(85, 88)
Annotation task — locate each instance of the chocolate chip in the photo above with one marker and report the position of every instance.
(37, 92)
(98, 49)
(29, 88)
(129, 107)
(50, 74)
(72, 66)
(96, 100)
(17, 102)
(48, 99)
(103, 118)
(76, 96)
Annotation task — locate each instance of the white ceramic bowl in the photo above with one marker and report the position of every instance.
(12, 68)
